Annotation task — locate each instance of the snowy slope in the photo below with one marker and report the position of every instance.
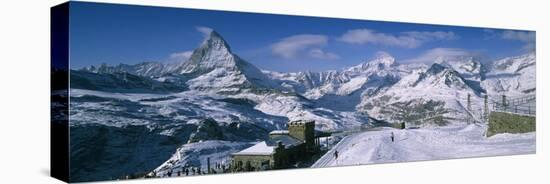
(296, 107)
(196, 155)
(89, 106)
(425, 144)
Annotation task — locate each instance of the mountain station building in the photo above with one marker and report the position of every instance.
(283, 149)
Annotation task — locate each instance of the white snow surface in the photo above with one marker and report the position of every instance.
(186, 107)
(372, 147)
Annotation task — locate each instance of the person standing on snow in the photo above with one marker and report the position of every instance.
(392, 137)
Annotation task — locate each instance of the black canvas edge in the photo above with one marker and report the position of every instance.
(59, 73)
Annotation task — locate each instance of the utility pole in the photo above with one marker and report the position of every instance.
(485, 108)
(469, 103)
(504, 103)
(469, 109)
(208, 164)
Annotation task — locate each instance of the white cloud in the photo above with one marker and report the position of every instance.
(529, 46)
(204, 30)
(523, 36)
(181, 56)
(527, 37)
(431, 55)
(430, 36)
(320, 54)
(291, 47)
(410, 39)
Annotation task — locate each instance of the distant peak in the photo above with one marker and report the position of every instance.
(383, 55)
(383, 58)
(215, 41)
(436, 68)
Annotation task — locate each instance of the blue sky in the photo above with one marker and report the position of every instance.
(113, 34)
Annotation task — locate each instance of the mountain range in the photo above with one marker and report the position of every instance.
(216, 95)
(380, 87)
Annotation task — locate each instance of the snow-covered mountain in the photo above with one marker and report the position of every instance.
(315, 85)
(469, 67)
(443, 86)
(512, 76)
(437, 95)
(216, 96)
(342, 89)
(212, 67)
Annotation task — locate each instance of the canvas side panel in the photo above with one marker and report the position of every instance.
(59, 105)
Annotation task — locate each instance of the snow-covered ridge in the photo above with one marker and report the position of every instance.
(513, 76)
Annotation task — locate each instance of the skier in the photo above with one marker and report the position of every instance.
(336, 154)
(392, 137)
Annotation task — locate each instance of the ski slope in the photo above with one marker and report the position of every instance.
(425, 144)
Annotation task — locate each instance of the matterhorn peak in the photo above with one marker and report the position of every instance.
(215, 41)
(213, 53)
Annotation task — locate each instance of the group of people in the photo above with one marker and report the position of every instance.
(190, 171)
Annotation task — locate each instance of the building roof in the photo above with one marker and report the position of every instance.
(260, 148)
(278, 132)
(268, 147)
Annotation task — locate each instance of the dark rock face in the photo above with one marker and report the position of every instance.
(418, 112)
(207, 129)
(100, 152)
